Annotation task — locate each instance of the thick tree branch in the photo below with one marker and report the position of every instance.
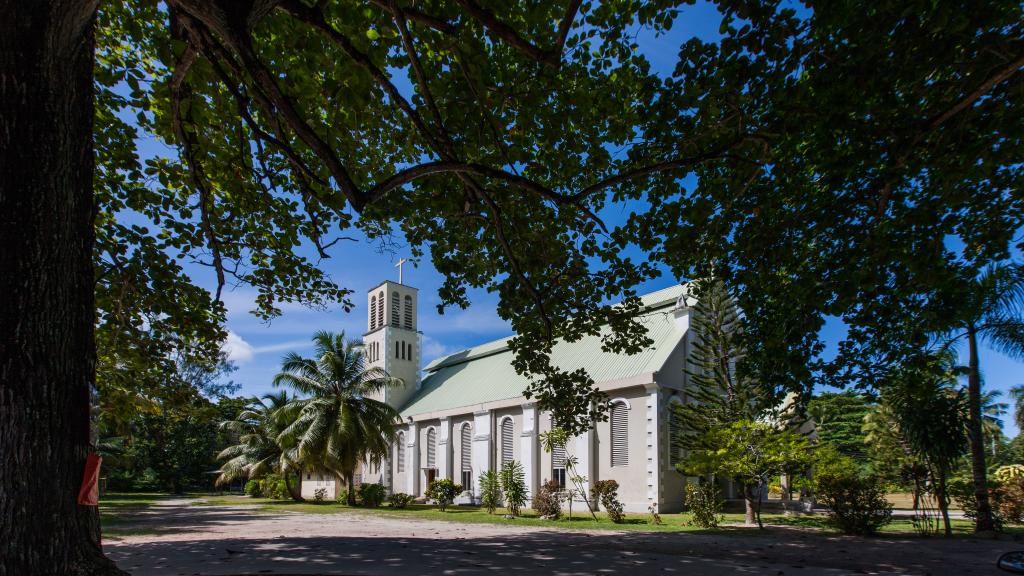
(991, 82)
(417, 16)
(317, 20)
(552, 58)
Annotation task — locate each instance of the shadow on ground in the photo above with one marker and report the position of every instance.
(552, 552)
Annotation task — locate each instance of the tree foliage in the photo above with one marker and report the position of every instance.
(750, 453)
(816, 159)
(338, 422)
(839, 420)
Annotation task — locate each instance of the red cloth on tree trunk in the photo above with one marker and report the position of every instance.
(89, 493)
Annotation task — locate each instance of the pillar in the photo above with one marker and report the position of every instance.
(444, 449)
(528, 451)
(481, 442)
(654, 419)
(412, 459)
(586, 462)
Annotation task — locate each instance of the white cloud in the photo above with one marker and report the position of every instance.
(288, 346)
(433, 349)
(237, 349)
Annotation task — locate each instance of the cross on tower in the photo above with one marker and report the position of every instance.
(399, 266)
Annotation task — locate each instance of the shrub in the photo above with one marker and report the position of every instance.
(548, 501)
(1009, 503)
(1005, 496)
(607, 492)
(371, 495)
(320, 494)
(274, 487)
(513, 484)
(857, 503)
(704, 503)
(252, 488)
(443, 491)
(490, 491)
(400, 500)
(342, 495)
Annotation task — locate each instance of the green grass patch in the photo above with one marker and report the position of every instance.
(733, 523)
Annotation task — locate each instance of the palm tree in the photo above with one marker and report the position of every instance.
(1017, 393)
(992, 412)
(990, 308)
(338, 423)
(930, 411)
(257, 451)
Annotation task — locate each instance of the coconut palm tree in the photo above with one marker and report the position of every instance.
(257, 451)
(338, 423)
(992, 412)
(990, 308)
(1017, 393)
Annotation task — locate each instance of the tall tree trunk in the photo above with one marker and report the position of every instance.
(47, 351)
(943, 501)
(748, 501)
(351, 481)
(294, 491)
(979, 471)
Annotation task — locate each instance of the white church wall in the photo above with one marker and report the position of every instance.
(313, 481)
(632, 478)
(672, 482)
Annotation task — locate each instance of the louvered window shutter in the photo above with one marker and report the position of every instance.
(506, 441)
(673, 438)
(620, 437)
(401, 452)
(408, 312)
(467, 448)
(558, 457)
(395, 311)
(380, 311)
(373, 313)
(431, 448)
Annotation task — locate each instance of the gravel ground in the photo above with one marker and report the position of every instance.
(222, 540)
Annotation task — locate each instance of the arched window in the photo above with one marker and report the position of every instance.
(466, 451)
(380, 310)
(408, 312)
(373, 313)
(401, 452)
(394, 309)
(620, 433)
(506, 440)
(431, 448)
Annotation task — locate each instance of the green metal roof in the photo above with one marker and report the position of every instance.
(484, 373)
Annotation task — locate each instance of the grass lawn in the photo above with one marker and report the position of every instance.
(581, 519)
(119, 509)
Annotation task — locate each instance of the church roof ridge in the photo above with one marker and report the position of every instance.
(484, 373)
(649, 301)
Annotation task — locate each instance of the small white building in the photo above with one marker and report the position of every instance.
(467, 413)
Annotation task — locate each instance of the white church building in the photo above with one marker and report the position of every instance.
(464, 413)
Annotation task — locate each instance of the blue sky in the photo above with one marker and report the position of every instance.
(256, 347)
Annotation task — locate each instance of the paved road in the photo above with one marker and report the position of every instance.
(198, 540)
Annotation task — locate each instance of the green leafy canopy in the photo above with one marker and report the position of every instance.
(825, 155)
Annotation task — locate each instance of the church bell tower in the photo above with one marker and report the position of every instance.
(392, 340)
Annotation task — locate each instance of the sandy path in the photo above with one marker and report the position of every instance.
(218, 540)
